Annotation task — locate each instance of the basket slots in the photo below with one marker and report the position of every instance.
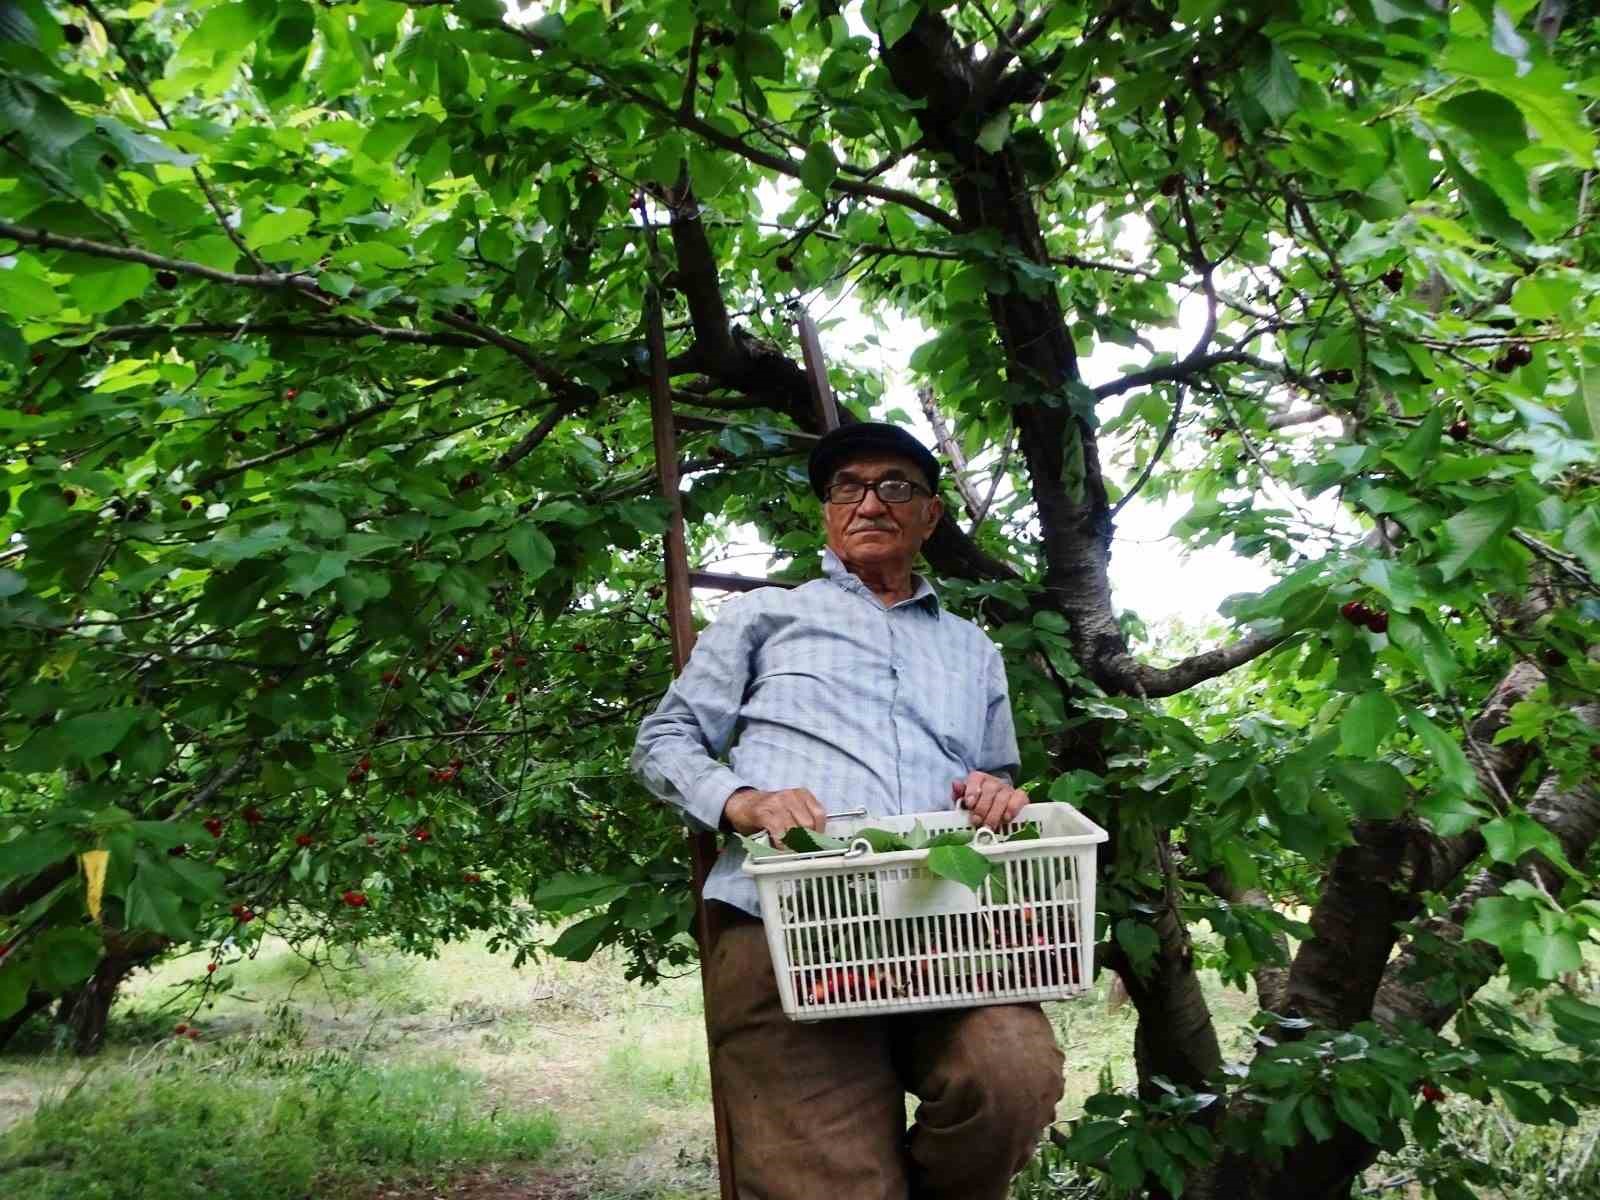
(846, 945)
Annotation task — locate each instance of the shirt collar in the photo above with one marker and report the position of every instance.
(835, 570)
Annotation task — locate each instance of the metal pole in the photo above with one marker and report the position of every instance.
(703, 846)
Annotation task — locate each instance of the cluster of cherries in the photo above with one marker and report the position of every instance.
(1358, 613)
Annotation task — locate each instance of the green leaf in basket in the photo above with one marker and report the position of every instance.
(952, 837)
(881, 840)
(1027, 833)
(803, 841)
(960, 863)
(758, 847)
(917, 838)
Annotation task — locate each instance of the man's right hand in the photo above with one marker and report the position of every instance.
(750, 811)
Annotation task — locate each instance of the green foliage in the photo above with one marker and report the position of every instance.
(329, 561)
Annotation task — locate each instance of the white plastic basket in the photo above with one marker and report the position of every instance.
(855, 933)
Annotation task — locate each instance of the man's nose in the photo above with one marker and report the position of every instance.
(871, 504)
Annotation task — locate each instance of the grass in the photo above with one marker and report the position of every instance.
(331, 1129)
(335, 1078)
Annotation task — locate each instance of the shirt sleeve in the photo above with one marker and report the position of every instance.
(675, 754)
(999, 755)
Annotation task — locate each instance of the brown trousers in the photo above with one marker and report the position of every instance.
(817, 1110)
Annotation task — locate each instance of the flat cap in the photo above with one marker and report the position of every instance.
(863, 438)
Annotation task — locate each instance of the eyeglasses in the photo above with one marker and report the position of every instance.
(890, 491)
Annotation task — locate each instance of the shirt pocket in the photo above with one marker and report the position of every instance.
(952, 706)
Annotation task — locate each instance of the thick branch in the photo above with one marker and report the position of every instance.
(1127, 676)
(1572, 813)
(1195, 364)
(338, 331)
(266, 281)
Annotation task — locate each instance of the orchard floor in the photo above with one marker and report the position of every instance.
(462, 1078)
(619, 1069)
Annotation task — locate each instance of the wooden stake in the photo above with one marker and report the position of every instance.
(817, 372)
(703, 847)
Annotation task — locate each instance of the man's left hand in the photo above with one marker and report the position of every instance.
(993, 802)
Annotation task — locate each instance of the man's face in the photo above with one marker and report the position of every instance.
(872, 533)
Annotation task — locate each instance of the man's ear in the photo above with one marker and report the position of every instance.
(935, 513)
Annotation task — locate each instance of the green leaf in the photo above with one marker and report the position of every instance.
(1426, 646)
(151, 906)
(271, 228)
(1485, 205)
(65, 957)
(1139, 941)
(93, 734)
(1091, 1141)
(808, 841)
(996, 130)
(1273, 83)
(33, 852)
(1577, 1022)
(960, 863)
(1498, 920)
(1581, 537)
(1445, 751)
(578, 942)
(1374, 790)
(760, 55)
(1354, 1109)
(16, 979)
(534, 552)
(1467, 535)
(1554, 954)
(893, 19)
(1488, 118)
(313, 571)
(101, 291)
(819, 168)
(1371, 718)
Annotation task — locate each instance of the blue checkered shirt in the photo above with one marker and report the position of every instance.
(821, 687)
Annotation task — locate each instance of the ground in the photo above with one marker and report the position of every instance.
(620, 1069)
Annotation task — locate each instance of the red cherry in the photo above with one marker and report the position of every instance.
(356, 899)
(243, 914)
(1377, 621)
(520, 661)
(303, 839)
(211, 968)
(186, 505)
(194, 1035)
(213, 826)
(580, 648)
(471, 877)
(421, 834)
(366, 763)
(1355, 612)
(178, 851)
(511, 697)
(1432, 1093)
(180, 1030)
(251, 815)
(290, 393)
(390, 679)
(1460, 430)
(371, 841)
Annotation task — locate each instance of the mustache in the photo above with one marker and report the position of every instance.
(863, 526)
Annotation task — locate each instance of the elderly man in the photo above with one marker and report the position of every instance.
(854, 690)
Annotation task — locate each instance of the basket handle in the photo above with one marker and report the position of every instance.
(849, 852)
